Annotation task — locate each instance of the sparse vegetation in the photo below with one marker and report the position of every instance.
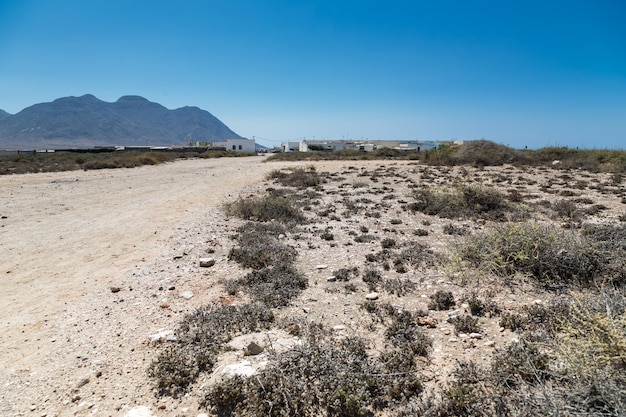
(568, 350)
(441, 300)
(323, 376)
(265, 209)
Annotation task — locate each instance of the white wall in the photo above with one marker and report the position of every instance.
(240, 145)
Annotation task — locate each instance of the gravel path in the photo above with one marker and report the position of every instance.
(69, 345)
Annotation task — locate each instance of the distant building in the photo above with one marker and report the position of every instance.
(237, 145)
(306, 145)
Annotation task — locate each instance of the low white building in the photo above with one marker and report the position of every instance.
(307, 145)
(237, 145)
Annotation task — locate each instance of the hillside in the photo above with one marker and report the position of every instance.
(88, 121)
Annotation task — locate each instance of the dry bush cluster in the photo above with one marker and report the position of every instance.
(505, 232)
(325, 375)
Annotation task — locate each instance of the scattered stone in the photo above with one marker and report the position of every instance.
(203, 415)
(331, 278)
(83, 381)
(490, 343)
(186, 294)
(339, 327)
(475, 336)
(446, 332)
(243, 368)
(207, 262)
(167, 335)
(253, 349)
(537, 302)
(453, 340)
(321, 266)
(427, 321)
(306, 310)
(452, 315)
(115, 289)
(165, 304)
(372, 296)
(141, 411)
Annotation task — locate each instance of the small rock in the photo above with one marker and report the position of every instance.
(453, 340)
(207, 262)
(306, 310)
(490, 343)
(253, 349)
(83, 381)
(372, 296)
(203, 415)
(165, 304)
(321, 266)
(141, 411)
(537, 302)
(475, 336)
(281, 236)
(331, 278)
(186, 294)
(452, 315)
(427, 321)
(167, 335)
(446, 332)
(339, 327)
(115, 289)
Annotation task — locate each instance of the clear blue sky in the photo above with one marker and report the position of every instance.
(522, 73)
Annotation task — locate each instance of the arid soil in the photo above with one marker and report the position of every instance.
(94, 263)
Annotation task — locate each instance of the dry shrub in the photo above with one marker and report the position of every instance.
(322, 376)
(463, 201)
(441, 300)
(299, 177)
(200, 337)
(275, 285)
(259, 246)
(265, 209)
(485, 153)
(552, 256)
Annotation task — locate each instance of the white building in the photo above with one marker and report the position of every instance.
(306, 145)
(237, 145)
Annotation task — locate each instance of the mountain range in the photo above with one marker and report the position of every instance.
(86, 121)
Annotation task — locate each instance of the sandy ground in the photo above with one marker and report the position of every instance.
(65, 239)
(69, 345)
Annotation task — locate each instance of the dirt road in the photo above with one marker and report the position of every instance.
(65, 239)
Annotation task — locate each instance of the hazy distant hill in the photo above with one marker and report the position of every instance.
(3, 114)
(87, 121)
